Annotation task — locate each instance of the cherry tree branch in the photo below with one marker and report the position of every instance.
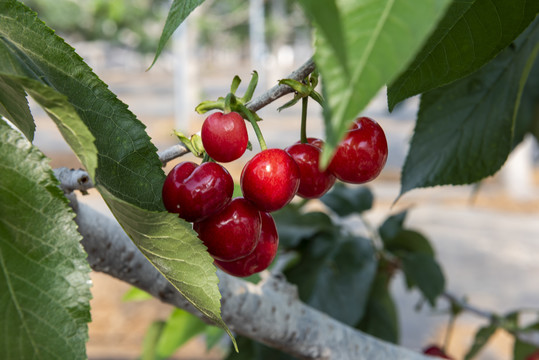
(269, 312)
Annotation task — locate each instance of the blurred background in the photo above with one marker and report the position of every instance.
(486, 237)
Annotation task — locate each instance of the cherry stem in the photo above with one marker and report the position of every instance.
(303, 134)
(449, 332)
(250, 116)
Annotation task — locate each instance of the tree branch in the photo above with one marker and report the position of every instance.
(269, 312)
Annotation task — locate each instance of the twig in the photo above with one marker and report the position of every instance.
(73, 179)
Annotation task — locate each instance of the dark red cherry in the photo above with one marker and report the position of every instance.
(173, 181)
(224, 136)
(313, 183)
(362, 154)
(197, 192)
(261, 257)
(270, 179)
(232, 233)
(435, 351)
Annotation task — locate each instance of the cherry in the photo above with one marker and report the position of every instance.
(533, 356)
(435, 350)
(224, 136)
(261, 257)
(197, 192)
(314, 141)
(313, 182)
(270, 179)
(362, 154)
(232, 233)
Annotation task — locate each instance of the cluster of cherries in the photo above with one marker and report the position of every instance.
(240, 233)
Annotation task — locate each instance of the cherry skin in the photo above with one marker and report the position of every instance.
(435, 351)
(261, 257)
(314, 141)
(232, 233)
(270, 179)
(173, 181)
(362, 154)
(197, 192)
(313, 183)
(224, 136)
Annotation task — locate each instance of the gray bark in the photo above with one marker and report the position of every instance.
(269, 312)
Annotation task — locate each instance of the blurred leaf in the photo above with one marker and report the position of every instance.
(293, 226)
(422, 270)
(381, 37)
(213, 335)
(326, 19)
(471, 33)
(179, 328)
(392, 226)
(409, 241)
(14, 107)
(30, 52)
(44, 275)
(149, 344)
(521, 349)
(528, 112)
(173, 247)
(464, 130)
(344, 200)
(481, 338)
(334, 275)
(135, 294)
(179, 10)
(381, 318)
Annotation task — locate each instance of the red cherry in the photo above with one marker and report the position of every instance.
(197, 192)
(261, 257)
(533, 356)
(314, 141)
(173, 181)
(232, 233)
(362, 154)
(313, 182)
(270, 179)
(436, 351)
(224, 136)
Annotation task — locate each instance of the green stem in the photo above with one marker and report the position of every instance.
(449, 332)
(250, 116)
(303, 135)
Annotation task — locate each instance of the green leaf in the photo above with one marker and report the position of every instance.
(392, 226)
(44, 276)
(422, 270)
(180, 327)
(14, 107)
(345, 201)
(179, 11)
(136, 294)
(149, 345)
(334, 275)
(521, 349)
(481, 338)
(409, 241)
(128, 165)
(471, 34)
(213, 336)
(326, 18)
(252, 350)
(464, 130)
(381, 37)
(173, 247)
(381, 318)
(528, 111)
(294, 226)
